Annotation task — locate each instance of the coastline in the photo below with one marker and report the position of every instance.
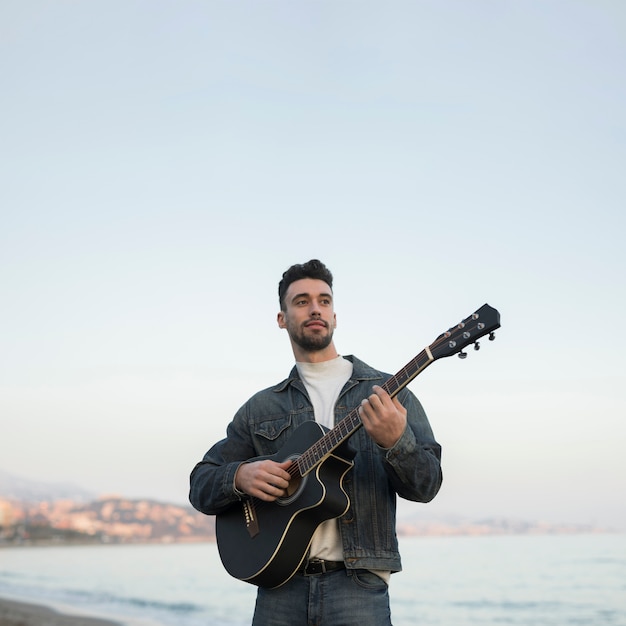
(17, 613)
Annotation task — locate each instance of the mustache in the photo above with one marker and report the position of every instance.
(316, 320)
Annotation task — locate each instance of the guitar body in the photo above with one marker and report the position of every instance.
(264, 543)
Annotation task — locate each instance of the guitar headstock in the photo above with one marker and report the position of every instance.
(483, 322)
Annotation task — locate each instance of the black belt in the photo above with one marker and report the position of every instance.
(319, 566)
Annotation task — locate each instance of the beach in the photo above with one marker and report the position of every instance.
(14, 613)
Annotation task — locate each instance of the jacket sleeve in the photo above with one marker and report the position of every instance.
(212, 481)
(413, 465)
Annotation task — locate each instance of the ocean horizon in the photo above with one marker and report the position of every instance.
(520, 580)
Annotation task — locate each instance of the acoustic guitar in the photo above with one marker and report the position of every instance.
(265, 543)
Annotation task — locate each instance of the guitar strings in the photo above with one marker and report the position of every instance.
(326, 444)
(349, 424)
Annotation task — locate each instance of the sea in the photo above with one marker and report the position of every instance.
(522, 580)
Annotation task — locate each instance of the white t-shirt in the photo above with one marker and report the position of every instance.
(324, 381)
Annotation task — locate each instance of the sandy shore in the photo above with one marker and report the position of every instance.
(14, 613)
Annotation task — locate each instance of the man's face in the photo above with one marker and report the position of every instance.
(309, 314)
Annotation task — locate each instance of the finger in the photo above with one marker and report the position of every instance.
(399, 405)
(264, 495)
(274, 490)
(372, 407)
(382, 395)
(278, 482)
(268, 490)
(365, 409)
(284, 467)
(280, 474)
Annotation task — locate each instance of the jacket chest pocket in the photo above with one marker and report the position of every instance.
(271, 435)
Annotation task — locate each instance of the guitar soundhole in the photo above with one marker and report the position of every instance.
(296, 485)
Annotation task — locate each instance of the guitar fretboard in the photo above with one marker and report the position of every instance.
(352, 422)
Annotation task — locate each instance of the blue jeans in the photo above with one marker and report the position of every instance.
(339, 598)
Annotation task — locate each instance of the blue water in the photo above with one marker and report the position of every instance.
(549, 580)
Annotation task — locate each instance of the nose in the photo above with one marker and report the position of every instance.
(315, 309)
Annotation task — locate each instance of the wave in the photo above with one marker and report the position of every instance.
(95, 597)
(102, 604)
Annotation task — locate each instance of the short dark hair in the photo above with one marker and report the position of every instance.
(311, 269)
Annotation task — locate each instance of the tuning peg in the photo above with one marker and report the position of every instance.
(492, 336)
(462, 355)
(476, 345)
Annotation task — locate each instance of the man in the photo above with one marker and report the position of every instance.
(345, 576)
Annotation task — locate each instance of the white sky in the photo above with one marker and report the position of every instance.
(163, 163)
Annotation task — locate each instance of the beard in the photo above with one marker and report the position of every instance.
(311, 342)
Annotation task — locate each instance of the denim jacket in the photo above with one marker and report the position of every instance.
(261, 427)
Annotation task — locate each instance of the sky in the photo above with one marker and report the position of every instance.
(163, 163)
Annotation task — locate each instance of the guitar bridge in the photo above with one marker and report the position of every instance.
(252, 523)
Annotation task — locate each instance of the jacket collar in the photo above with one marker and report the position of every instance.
(360, 372)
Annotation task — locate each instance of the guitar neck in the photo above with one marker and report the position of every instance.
(344, 429)
(482, 322)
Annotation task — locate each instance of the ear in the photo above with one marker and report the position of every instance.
(280, 318)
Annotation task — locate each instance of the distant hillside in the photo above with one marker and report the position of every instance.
(36, 512)
(107, 520)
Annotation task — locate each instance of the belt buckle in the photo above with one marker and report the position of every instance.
(314, 567)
